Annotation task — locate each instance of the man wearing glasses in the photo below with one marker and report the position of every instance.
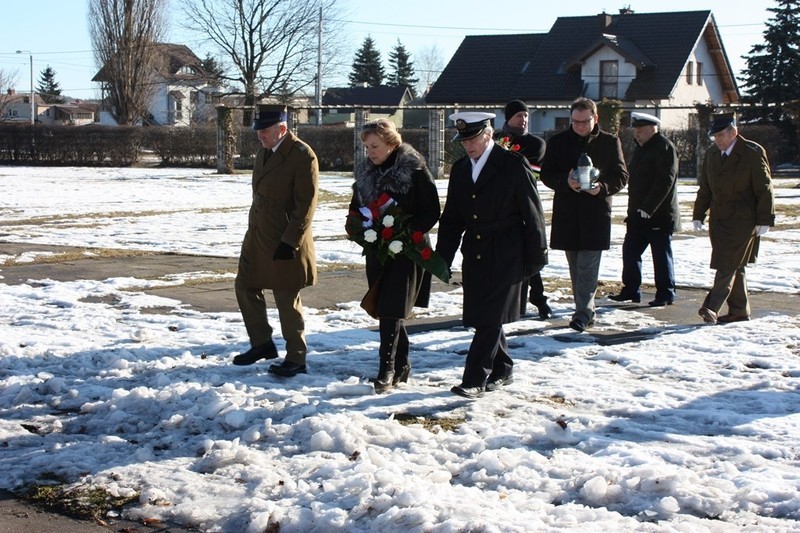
(581, 223)
(735, 184)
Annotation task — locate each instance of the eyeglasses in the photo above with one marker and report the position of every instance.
(582, 122)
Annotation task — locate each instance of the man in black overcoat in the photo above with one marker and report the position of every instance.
(519, 139)
(494, 213)
(581, 224)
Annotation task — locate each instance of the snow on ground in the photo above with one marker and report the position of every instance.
(695, 429)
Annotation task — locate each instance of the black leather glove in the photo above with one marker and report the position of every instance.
(284, 252)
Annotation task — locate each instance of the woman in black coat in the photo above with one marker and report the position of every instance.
(395, 170)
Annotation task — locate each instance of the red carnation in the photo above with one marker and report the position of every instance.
(515, 148)
(426, 254)
(387, 234)
(417, 237)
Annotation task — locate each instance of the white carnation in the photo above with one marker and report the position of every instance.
(395, 247)
(370, 235)
(388, 221)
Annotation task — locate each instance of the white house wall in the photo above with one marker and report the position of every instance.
(590, 73)
(685, 94)
(162, 105)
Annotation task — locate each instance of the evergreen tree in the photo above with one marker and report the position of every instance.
(48, 88)
(367, 66)
(772, 75)
(402, 68)
(215, 71)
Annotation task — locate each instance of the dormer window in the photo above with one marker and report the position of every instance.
(609, 79)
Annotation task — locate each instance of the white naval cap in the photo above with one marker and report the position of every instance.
(470, 123)
(644, 119)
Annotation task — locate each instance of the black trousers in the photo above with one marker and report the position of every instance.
(487, 357)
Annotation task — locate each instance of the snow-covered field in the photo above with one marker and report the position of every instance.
(696, 429)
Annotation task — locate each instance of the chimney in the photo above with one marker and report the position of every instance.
(605, 21)
(626, 10)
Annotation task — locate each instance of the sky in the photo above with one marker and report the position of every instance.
(56, 31)
(691, 429)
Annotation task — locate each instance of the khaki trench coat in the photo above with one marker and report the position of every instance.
(284, 200)
(738, 192)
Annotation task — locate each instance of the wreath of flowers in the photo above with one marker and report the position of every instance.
(383, 229)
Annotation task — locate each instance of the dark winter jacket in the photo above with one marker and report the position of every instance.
(501, 221)
(405, 177)
(531, 146)
(653, 186)
(580, 220)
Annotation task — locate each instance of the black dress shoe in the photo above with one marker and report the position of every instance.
(580, 326)
(622, 297)
(495, 383)
(544, 310)
(287, 369)
(660, 303)
(727, 319)
(708, 316)
(262, 351)
(468, 392)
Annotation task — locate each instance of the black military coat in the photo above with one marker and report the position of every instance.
(653, 186)
(499, 223)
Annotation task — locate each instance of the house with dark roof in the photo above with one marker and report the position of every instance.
(660, 63)
(182, 87)
(383, 101)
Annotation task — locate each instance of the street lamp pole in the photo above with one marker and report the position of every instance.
(33, 96)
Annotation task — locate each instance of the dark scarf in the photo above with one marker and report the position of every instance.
(393, 176)
(513, 131)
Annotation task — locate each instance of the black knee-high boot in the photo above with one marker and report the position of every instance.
(389, 331)
(402, 368)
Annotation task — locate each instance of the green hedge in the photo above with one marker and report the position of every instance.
(197, 146)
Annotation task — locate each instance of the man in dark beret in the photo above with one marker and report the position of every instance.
(735, 185)
(278, 248)
(515, 136)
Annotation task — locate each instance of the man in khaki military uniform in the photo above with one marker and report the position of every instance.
(278, 248)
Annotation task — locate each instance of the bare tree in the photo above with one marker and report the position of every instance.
(123, 33)
(428, 65)
(270, 44)
(7, 83)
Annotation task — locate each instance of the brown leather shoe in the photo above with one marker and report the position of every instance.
(708, 316)
(727, 319)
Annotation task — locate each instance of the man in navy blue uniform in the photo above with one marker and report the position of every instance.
(494, 213)
(653, 214)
